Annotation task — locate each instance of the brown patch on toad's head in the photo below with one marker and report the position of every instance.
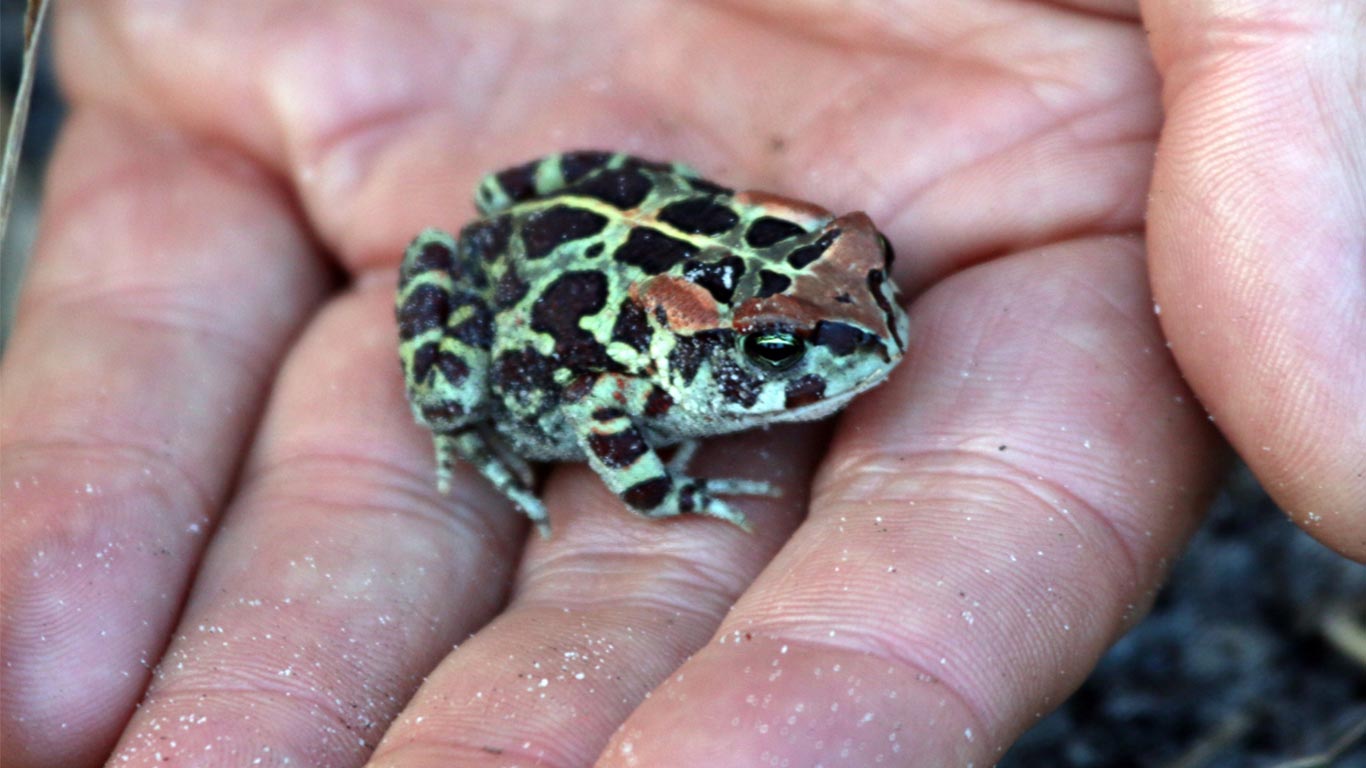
(842, 278)
(683, 306)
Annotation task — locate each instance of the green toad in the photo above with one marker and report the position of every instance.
(605, 306)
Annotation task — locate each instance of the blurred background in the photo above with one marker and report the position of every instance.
(44, 118)
(1254, 655)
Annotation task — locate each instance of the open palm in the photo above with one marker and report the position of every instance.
(210, 469)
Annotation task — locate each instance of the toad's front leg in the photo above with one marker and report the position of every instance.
(617, 449)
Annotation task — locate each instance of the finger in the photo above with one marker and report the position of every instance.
(168, 277)
(339, 577)
(982, 528)
(1258, 236)
(338, 97)
(602, 613)
(905, 111)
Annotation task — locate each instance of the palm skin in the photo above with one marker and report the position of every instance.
(209, 467)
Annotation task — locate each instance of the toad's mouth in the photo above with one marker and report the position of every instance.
(826, 406)
(819, 407)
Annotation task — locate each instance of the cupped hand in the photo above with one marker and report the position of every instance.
(216, 503)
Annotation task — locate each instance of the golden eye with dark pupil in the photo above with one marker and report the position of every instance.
(774, 350)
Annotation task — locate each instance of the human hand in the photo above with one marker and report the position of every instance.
(978, 529)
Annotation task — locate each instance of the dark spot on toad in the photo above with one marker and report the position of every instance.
(737, 384)
(510, 289)
(699, 216)
(653, 251)
(631, 328)
(767, 230)
(689, 353)
(804, 390)
(423, 360)
(619, 449)
(434, 256)
(485, 240)
(452, 368)
(875, 280)
(802, 257)
(771, 283)
(623, 188)
(658, 403)
(576, 165)
(543, 230)
(648, 494)
(841, 338)
(425, 308)
(718, 277)
(557, 312)
(518, 182)
(477, 329)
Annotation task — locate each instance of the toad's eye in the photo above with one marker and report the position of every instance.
(774, 350)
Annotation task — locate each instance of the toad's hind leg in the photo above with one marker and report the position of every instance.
(473, 447)
(445, 330)
(445, 334)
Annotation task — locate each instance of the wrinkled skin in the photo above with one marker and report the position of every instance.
(209, 466)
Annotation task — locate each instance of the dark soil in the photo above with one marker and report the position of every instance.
(1233, 667)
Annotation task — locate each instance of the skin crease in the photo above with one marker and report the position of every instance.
(214, 471)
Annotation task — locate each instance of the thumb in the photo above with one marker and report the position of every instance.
(1257, 240)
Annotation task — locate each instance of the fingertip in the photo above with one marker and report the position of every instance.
(760, 700)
